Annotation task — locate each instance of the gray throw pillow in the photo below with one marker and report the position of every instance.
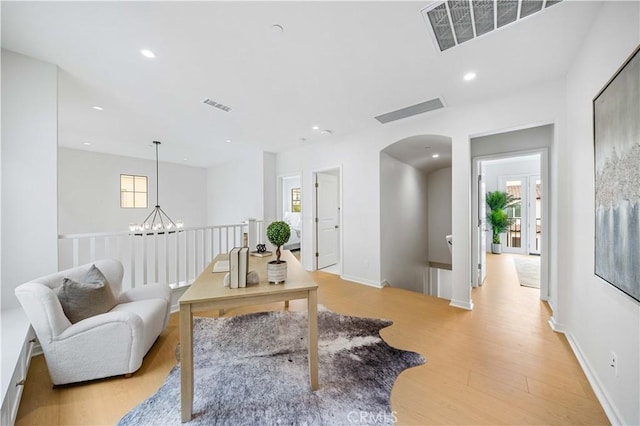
(91, 296)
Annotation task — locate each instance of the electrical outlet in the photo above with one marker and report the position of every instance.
(614, 363)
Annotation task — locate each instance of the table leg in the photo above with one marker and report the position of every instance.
(186, 361)
(313, 338)
(286, 304)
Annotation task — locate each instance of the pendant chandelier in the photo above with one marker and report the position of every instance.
(157, 221)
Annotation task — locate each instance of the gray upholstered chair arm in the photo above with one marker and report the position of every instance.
(148, 291)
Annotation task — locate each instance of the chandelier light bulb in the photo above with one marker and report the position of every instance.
(157, 221)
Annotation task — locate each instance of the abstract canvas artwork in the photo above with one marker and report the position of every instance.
(616, 113)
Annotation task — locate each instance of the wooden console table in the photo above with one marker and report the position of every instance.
(208, 293)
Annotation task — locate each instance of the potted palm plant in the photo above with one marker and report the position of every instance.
(497, 217)
(278, 234)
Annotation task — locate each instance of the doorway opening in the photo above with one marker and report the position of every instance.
(290, 211)
(523, 177)
(328, 218)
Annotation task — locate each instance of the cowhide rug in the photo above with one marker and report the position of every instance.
(252, 370)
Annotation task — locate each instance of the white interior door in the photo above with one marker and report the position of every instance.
(327, 220)
(478, 236)
(482, 226)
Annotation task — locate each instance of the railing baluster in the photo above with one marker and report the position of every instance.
(204, 248)
(214, 240)
(178, 258)
(133, 260)
(233, 232)
(92, 249)
(76, 251)
(155, 253)
(186, 257)
(107, 248)
(144, 258)
(166, 261)
(212, 253)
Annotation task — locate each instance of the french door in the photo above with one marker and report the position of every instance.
(524, 234)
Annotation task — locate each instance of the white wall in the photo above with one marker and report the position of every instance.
(599, 318)
(439, 214)
(515, 140)
(404, 225)
(359, 156)
(89, 191)
(236, 190)
(270, 188)
(29, 184)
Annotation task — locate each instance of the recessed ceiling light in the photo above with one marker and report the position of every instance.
(86, 143)
(228, 141)
(326, 132)
(469, 76)
(147, 53)
(277, 29)
(435, 155)
(99, 108)
(184, 159)
(316, 128)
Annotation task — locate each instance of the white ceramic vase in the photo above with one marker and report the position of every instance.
(276, 272)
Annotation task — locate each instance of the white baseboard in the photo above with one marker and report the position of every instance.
(362, 281)
(610, 410)
(462, 304)
(556, 326)
(550, 302)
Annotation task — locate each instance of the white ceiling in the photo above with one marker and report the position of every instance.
(418, 151)
(337, 65)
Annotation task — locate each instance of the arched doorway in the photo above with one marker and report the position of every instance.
(415, 213)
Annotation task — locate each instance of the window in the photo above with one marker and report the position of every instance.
(295, 200)
(133, 192)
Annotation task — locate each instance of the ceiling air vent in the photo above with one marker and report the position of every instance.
(217, 105)
(420, 108)
(453, 22)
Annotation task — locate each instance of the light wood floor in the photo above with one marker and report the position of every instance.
(499, 364)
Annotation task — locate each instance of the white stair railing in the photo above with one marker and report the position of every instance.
(175, 257)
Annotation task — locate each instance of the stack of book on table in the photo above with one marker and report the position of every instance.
(238, 267)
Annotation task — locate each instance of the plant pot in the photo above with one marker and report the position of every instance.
(496, 248)
(276, 272)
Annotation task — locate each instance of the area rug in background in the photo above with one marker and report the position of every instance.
(528, 269)
(253, 369)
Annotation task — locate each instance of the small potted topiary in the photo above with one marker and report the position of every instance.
(278, 234)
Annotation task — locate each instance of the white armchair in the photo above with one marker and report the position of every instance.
(103, 345)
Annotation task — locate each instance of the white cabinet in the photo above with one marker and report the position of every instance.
(18, 341)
